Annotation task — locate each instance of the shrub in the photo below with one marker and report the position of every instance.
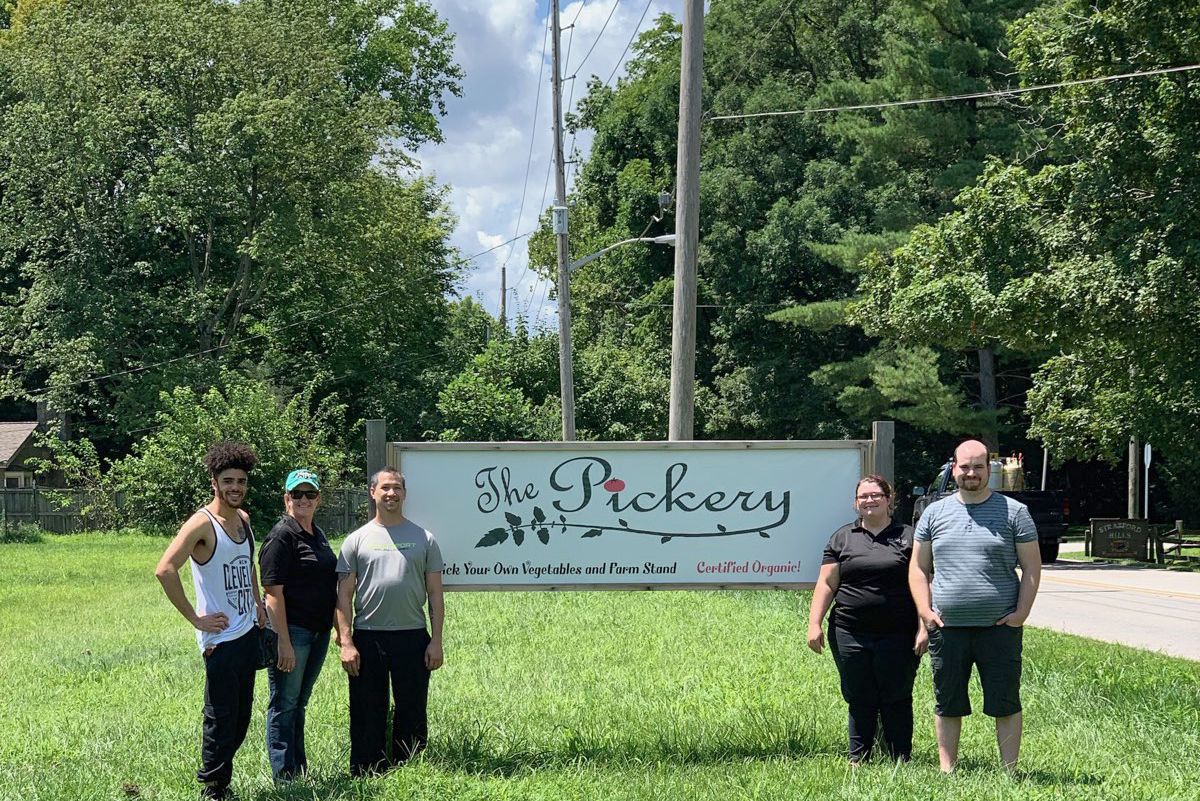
(164, 481)
(20, 533)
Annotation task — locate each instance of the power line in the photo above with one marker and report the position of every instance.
(758, 43)
(550, 161)
(532, 138)
(599, 36)
(540, 304)
(635, 304)
(969, 96)
(303, 321)
(636, 29)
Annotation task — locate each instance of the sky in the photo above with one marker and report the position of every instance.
(489, 131)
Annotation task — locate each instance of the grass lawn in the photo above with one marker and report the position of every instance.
(681, 695)
(1179, 565)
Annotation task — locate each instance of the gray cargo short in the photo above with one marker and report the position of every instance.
(994, 650)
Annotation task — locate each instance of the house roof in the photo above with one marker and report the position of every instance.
(12, 437)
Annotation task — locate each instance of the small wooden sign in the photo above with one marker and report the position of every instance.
(1119, 538)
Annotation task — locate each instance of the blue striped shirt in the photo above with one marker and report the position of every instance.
(975, 557)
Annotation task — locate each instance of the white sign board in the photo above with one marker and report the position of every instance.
(620, 515)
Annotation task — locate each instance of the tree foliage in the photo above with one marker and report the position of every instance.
(164, 481)
(1090, 263)
(213, 178)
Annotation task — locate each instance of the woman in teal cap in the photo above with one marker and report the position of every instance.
(299, 577)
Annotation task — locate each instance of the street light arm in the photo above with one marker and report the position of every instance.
(668, 239)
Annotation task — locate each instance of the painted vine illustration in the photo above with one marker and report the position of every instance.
(541, 526)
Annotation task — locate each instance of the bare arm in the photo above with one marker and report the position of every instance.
(920, 574)
(828, 582)
(343, 615)
(1029, 556)
(434, 655)
(195, 531)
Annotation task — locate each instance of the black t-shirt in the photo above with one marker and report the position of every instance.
(873, 596)
(307, 568)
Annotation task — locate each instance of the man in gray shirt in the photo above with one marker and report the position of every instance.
(963, 579)
(386, 570)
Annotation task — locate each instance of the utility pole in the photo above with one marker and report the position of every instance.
(504, 296)
(687, 225)
(1135, 474)
(566, 380)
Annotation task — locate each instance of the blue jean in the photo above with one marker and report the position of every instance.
(289, 697)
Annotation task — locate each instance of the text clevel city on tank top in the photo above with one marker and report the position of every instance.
(224, 583)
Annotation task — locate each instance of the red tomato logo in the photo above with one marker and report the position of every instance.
(614, 485)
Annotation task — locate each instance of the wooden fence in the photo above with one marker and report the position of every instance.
(342, 510)
(61, 511)
(56, 510)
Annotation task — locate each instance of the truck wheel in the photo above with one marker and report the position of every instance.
(1049, 551)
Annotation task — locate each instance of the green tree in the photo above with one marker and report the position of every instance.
(80, 467)
(894, 168)
(197, 176)
(164, 481)
(508, 391)
(1090, 262)
(477, 409)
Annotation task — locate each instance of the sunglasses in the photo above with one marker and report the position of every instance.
(297, 494)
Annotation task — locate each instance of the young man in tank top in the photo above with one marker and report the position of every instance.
(228, 611)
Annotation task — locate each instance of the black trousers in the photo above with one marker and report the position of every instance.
(228, 700)
(877, 672)
(395, 658)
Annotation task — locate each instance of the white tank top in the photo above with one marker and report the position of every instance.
(224, 584)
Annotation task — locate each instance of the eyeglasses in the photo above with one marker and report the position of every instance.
(872, 496)
(297, 494)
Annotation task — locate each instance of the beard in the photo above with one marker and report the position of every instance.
(971, 482)
(233, 503)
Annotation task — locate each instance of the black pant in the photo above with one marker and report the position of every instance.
(228, 699)
(397, 657)
(877, 672)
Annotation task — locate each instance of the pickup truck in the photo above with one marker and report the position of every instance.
(1048, 508)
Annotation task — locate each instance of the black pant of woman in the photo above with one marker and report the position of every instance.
(877, 672)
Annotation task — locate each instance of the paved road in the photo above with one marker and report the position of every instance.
(1138, 606)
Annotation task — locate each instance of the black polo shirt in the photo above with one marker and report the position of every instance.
(306, 567)
(873, 595)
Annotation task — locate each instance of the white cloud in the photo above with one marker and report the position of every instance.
(487, 131)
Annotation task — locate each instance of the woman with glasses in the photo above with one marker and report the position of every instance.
(299, 579)
(874, 634)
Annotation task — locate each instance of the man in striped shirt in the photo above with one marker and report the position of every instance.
(963, 579)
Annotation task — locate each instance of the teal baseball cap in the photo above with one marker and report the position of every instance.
(301, 476)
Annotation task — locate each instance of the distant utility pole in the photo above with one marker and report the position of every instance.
(1134, 473)
(687, 225)
(504, 296)
(566, 381)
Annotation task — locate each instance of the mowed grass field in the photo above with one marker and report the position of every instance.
(680, 695)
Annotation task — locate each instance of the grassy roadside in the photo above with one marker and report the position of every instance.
(682, 695)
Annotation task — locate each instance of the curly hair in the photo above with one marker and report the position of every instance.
(230, 455)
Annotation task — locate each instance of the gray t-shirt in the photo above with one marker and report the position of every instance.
(390, 564)
(975, 557)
